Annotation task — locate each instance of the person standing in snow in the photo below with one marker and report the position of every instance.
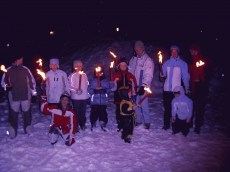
(98, 89)
(123, 80)
(56, 82)
(198, 84)
(22, 87)
(78, 85)
(182, 108)
(64, 120)
(173, 70)
(127, 111)
(142, 67)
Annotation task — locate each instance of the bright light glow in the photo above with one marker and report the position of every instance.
(112, 54)
(51, 32)
(98, 69)
(117, 29)
(111, 64)
(199, 63)
(160, 57)
(3, 68)
(148, 90)
(39, 61)
(42, 74)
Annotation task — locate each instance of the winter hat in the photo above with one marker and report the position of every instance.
(77, 63)
(175, 47)
(139, 44)
(65, 94)
(123, 60)
(54, 61)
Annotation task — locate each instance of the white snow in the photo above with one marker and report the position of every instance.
(150, 150)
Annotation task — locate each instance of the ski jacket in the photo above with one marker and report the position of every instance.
(22, 82)
(142, 68)
(99, 96)
(65, 120)
(182, 106)
(175, 69)
(74, 83)
(56, 84)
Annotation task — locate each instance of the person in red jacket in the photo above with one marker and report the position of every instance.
(64, 120)
(123, 81)
(198, 85)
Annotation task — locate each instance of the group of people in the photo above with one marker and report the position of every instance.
(65, 97)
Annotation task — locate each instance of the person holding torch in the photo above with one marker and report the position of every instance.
(23, 87)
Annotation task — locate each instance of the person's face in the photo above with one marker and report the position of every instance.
(19, 61)
(193, 53)
(78, 67)
(53, 67)
(123, 66)
(139, 50)
(174, 53)
(64, 102)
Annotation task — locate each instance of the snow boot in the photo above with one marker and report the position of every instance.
(11, 132)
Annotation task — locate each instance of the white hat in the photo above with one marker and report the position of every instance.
(54, 61)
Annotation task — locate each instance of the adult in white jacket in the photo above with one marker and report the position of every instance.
(78, 85)
(56, 82)
(142, 67)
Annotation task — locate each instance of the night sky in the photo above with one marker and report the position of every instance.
(27, 24)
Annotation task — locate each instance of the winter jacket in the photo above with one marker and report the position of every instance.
(182, 106)
(56, 84)
(175, 69)
(99, 96)
(73, 82)
(22, 82)
(125, 81)
(142, 68)
(66, 120)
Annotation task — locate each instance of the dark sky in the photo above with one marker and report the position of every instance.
(28, 23)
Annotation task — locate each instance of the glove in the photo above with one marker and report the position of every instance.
(141, 91)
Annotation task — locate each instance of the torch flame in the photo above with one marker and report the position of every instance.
(80, 72)
(98, 69)
(112, 54)
(148, 90)
(39, 61)
(111, 64)
(160, 57)
(3, 68)
(199, 63)
(42, 74)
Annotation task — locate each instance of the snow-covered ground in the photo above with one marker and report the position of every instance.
(150, 150)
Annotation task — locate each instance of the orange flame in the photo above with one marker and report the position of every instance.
(3, 68)
(112, 54)
(160, 57)
(148, 90)
(111, 64)
(80, 72)
(199, 63)
(39, 61)
(98, 69)
(41, 73)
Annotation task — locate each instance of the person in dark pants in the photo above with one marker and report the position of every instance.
(127, 112)
(182, 108)
(199, 85)
(78, 85)
(21, 84)
(174, 70)
(98, 89)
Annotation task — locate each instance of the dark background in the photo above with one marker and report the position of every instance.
(25, 25)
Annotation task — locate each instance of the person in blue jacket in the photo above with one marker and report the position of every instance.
(98, 89)
(174, 70)
(182, 108)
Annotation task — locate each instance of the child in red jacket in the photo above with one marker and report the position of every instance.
(64, 120)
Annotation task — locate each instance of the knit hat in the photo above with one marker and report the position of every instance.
(65, 94)
(174, 47)
(139, 44)
(77, 63)
(54, 61)
(123, 60)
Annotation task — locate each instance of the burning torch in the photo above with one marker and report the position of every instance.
(114, 57)
(6, 79)
(160, 57)
(79, 90)
(98, 74)
(148, 93)
(199, 63)
(42, 74)
(111, 70)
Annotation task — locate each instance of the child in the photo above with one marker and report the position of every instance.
(98, 90)
(182, 108)
(127, 111)
(78, 84)
(56, 82)
(64, 121)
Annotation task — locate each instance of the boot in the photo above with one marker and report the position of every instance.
(11, 132)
